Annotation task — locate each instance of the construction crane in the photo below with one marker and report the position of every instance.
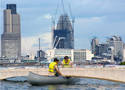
(63, 12)
(1, 9)
(60, 3)
(73, 21)
(72, 17)
(57, 40)
(54, 41)
(60, 38)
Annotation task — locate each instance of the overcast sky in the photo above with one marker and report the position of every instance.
(93, 18)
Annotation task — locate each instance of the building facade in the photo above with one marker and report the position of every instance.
(102, 49)
(118, 47)
(63, 34)
(11, 37)
(80, 55)
(117, 43)
(59, 53)
(94, 44)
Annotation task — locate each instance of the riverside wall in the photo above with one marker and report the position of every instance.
(107, 73)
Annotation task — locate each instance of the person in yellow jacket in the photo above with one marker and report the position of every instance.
(53, 68)
(66, 62)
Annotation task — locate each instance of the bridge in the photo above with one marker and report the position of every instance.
(107, 73)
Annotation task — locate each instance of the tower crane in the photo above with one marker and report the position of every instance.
(72, 17)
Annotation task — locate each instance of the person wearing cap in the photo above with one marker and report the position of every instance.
(53, 68)
(66, 62)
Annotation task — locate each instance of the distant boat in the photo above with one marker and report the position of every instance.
(36, 79)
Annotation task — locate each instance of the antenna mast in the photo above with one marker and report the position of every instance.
(73, 18)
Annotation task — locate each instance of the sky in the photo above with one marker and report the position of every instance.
(93, 18)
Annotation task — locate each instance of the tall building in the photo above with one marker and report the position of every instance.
(118, 46)
(11, 37)
(94, 44)
(63, 35)
(102, 49)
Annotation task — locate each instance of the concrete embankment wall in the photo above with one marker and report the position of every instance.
(113, 74)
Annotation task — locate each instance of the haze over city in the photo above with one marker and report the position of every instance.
(96, 18)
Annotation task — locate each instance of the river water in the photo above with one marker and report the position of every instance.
(82, 84)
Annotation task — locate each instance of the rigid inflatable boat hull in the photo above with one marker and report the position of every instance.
(36, 79)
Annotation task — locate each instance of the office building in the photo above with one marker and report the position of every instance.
(11, 37)
(80, 55)
(102, 49)
(118, 46)
(59, 53)
(63, 34)
(94, 44)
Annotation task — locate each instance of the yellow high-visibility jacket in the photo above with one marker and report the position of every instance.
(51, 67)
(66, 64)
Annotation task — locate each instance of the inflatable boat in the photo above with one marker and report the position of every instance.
(36, 79)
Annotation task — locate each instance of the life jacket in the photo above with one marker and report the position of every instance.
(66, 64)
(51, 67)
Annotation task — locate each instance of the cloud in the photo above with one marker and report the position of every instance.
(30, 44)
(46, 37)
(87, 24)
(90, 19)
(47, 16)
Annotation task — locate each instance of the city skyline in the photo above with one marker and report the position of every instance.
(97, 18)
